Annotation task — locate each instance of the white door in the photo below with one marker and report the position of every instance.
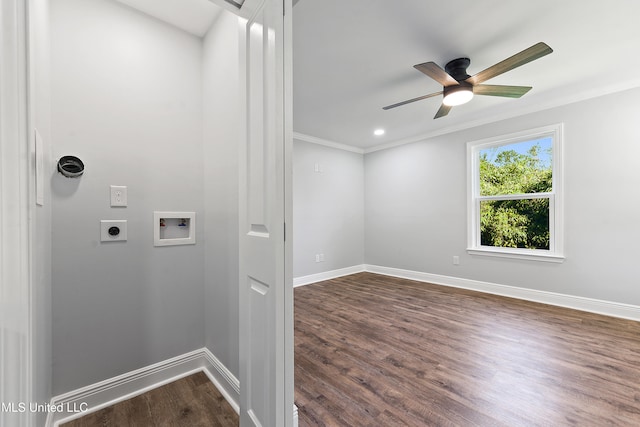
(266, 316)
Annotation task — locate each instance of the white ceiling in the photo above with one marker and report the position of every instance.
(192, 16)
(353, 57)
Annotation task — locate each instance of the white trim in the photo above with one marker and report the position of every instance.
(516, 253)
(524, 196)
(223, 378)
(229, 5)
(608, 308)
(327, 143)
(113, 390)
(16, 302)
(327, 275)
(289, 336)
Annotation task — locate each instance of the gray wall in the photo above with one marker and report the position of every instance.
(126, 99)
(415, 204)
(328, 213)
(221, 125)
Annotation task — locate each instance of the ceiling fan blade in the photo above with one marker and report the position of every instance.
(499, 90)
(432, 70)
(536, 51)
(408, 101)
(443, 111)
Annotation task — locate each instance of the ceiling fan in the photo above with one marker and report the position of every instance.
(459, 87)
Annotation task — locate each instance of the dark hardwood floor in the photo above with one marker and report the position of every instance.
(188, 402)
(372, 350)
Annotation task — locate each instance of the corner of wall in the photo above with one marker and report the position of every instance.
(94, 397)
(220, 133)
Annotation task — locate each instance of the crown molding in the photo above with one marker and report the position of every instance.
(326, 143)
(567, 99)
(561, 101)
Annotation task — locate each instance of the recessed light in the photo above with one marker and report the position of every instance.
(378, 132)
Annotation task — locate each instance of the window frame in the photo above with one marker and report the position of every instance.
(555, 253)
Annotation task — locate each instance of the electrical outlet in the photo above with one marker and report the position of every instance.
(317, 257)
(113, 230)
(321, 257)
(456, 260)
(118, 195)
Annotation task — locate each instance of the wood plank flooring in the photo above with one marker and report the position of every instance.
(372, 350)
(188, 402)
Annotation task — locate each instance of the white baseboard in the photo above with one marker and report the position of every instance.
(327, 275)
(94, 397)
(608, 308)
(223, 379)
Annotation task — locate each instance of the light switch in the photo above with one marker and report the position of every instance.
(118, 195)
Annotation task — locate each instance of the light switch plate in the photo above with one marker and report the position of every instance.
(118, 195)
(118, 235)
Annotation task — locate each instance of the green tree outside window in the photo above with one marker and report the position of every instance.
(516, 169)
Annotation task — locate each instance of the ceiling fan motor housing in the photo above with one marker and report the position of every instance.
(458, 68)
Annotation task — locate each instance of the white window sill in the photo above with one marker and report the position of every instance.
(528, 254)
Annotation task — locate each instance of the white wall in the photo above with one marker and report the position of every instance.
(40, 98)
(415, 204)
(328, 205)
(126, 99)
(221, 126)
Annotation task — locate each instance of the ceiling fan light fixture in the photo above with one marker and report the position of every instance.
(457, 95)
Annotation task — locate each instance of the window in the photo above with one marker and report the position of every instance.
(515, 190)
